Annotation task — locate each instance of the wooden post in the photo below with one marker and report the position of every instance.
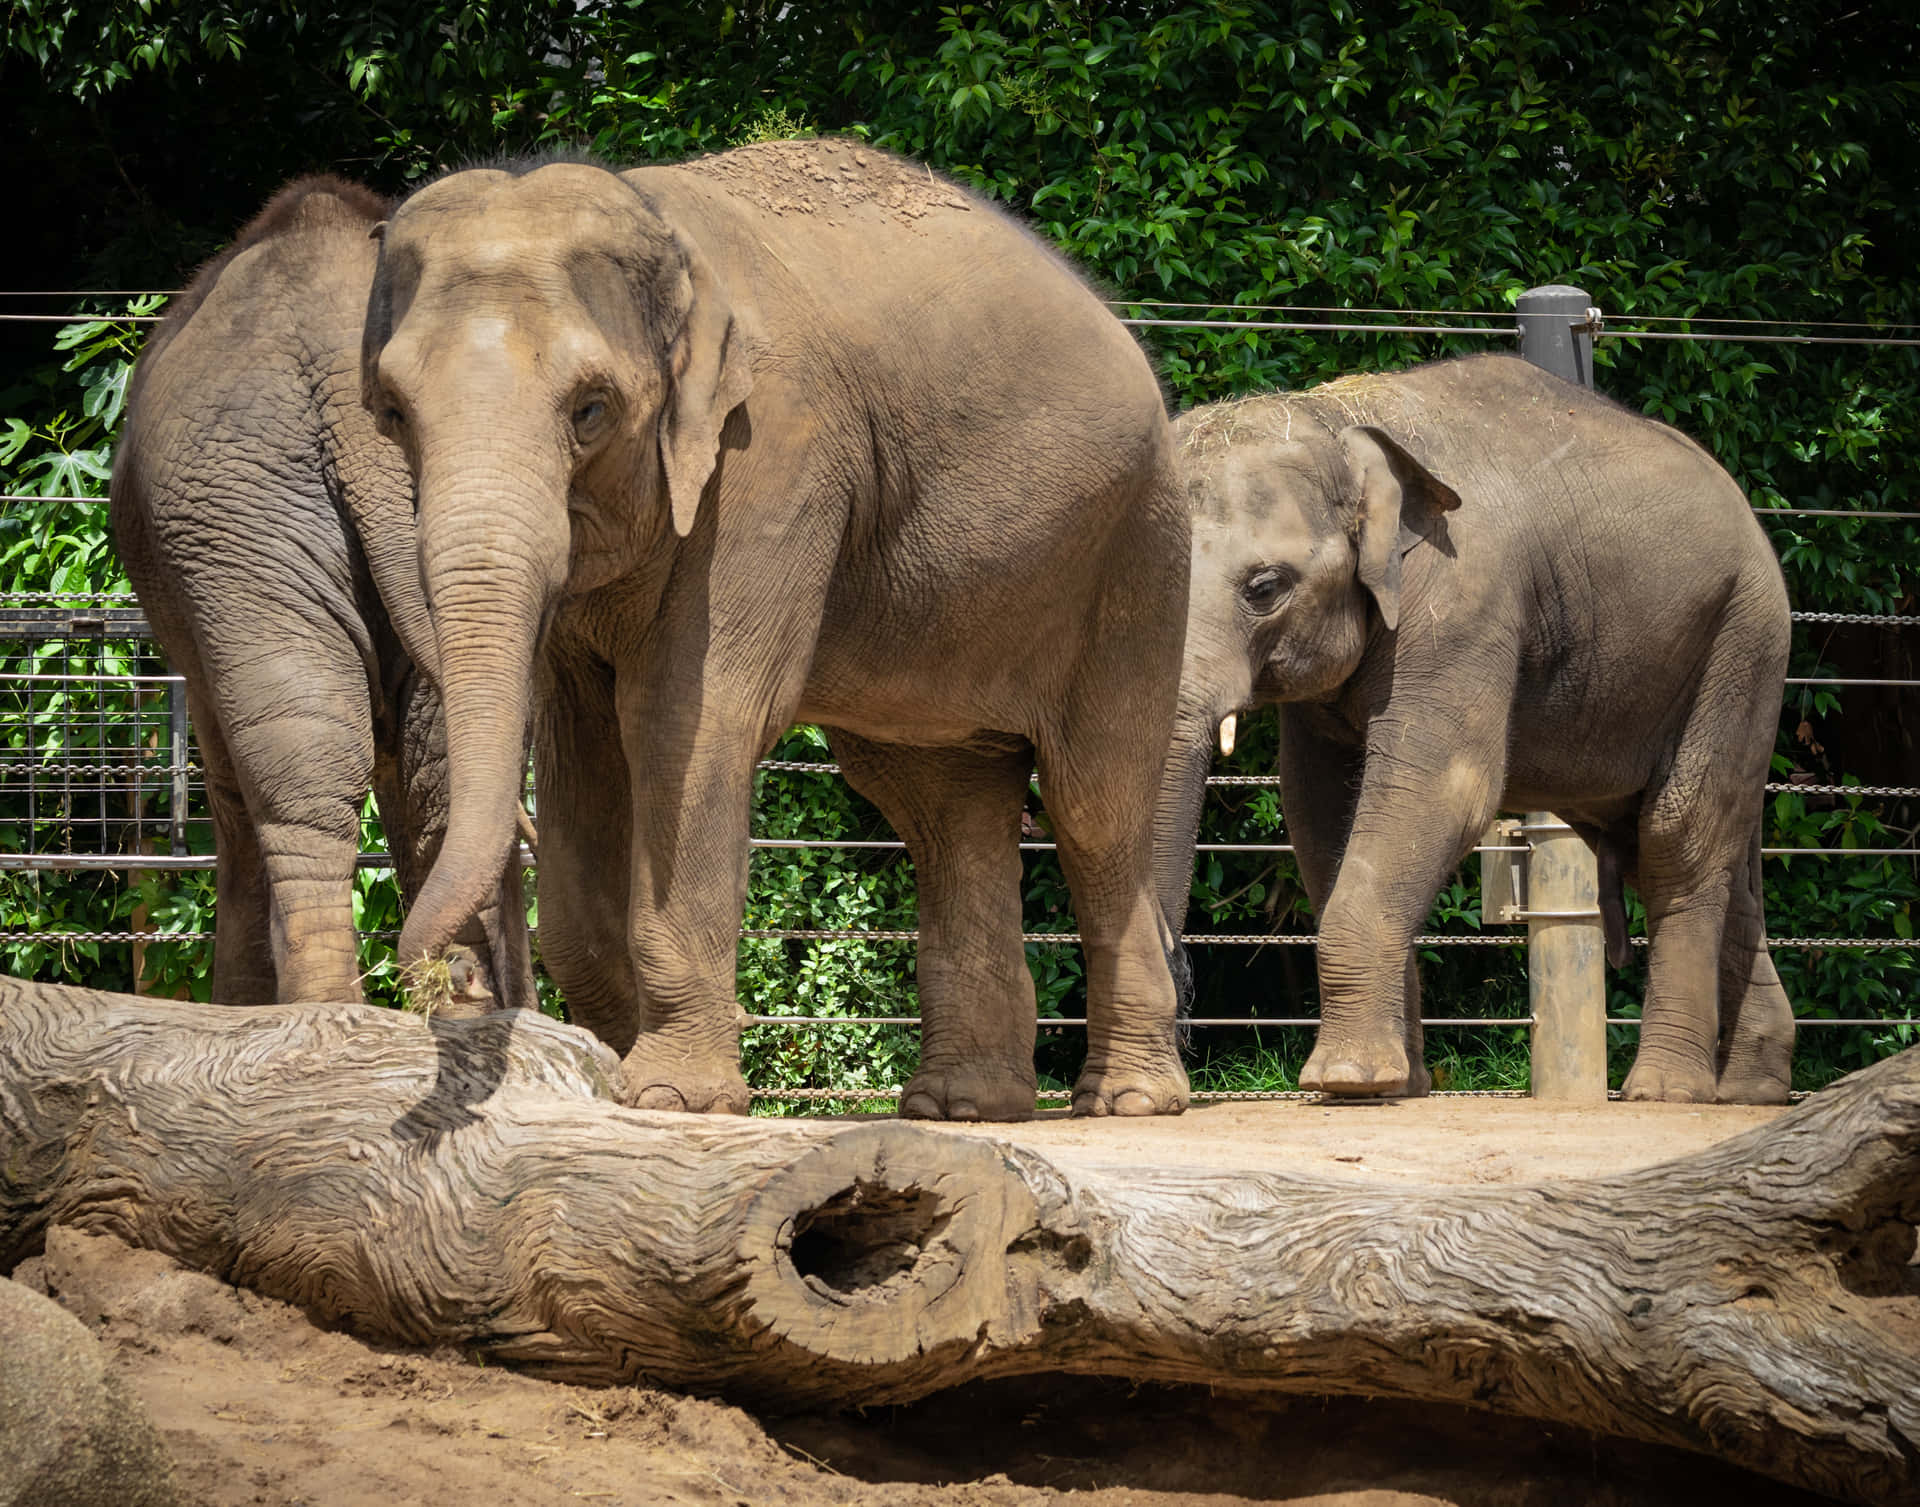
(1566, 964)
(1566, 955)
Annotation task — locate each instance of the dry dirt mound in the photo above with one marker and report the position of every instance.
(261, 1407)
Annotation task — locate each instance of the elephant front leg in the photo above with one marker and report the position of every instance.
(958, 812)
(691, 770)
(1423, 799)
(585, 811)
(1320, 781)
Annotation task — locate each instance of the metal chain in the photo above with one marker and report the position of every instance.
(1879, 790)
(1891, 944)
(1052, 938)
(62, 596)
(1198, 1096)
(11, 767)
(106, 936)
(1072, 938)
(1857, 617)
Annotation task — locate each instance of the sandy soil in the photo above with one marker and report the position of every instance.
(1438, 1140)
(261, 1407)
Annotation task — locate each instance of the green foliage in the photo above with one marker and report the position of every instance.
(1686, 162)
(825, 889)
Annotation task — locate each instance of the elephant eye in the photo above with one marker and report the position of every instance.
(1266, 587)
(587, 415)
(392, 418)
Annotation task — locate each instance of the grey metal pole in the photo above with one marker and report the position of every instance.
(1553, 332)
(1566, 954)
(177, 757)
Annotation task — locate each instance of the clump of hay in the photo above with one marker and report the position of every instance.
(1207, 432)
(426, 987)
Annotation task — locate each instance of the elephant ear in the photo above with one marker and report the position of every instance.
(1400, 503)
(709, 375)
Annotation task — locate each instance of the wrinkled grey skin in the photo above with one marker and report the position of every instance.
(1470, 587)
(268, 530)
(795, 433)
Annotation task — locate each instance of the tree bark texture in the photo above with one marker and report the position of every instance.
(474, 1182)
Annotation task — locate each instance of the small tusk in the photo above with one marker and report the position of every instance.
(1226, 734)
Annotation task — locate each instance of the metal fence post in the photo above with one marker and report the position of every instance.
(177, 757)
(1566, 962)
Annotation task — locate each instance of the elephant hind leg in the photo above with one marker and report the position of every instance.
(300, 732)
(958, 811)
(1099, 797)
(243, 968)
(1756, 1017)
(1698, 873)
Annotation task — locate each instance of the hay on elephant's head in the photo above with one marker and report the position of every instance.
(1208, 432)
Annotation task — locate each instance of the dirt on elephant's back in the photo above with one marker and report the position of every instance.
(828, 177)
(259, 1406)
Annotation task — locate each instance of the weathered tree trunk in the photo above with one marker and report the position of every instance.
(473, 1182)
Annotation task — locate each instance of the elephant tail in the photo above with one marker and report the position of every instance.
(1613, 866)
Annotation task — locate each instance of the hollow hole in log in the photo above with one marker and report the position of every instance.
(1882, 1261)
(866, 1235)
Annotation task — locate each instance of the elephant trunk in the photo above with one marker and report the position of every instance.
(493, 539)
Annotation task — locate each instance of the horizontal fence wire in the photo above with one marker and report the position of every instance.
(77, 627)
(82, 318)
(1606, 331)
(1879, 514)
(1168, 303)
(162, 862)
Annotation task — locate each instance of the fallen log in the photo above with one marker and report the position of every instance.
(473, 1182)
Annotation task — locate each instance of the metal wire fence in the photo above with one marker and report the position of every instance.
(99, 773)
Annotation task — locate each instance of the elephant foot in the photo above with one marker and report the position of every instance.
(1106, 1090)
(1758, 1087)
(657, 1079)
(1667, 1082)
(1358, 1070)
(969, 1093)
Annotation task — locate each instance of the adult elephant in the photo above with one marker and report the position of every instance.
(268, 529)
(799, 431)
(1470, 586)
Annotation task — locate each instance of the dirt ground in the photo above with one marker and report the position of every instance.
(261, 1407)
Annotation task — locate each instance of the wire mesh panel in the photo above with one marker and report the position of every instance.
(95, 754)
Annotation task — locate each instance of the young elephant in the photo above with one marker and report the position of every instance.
(1471, 586)
(268, 529)
(797, 432)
